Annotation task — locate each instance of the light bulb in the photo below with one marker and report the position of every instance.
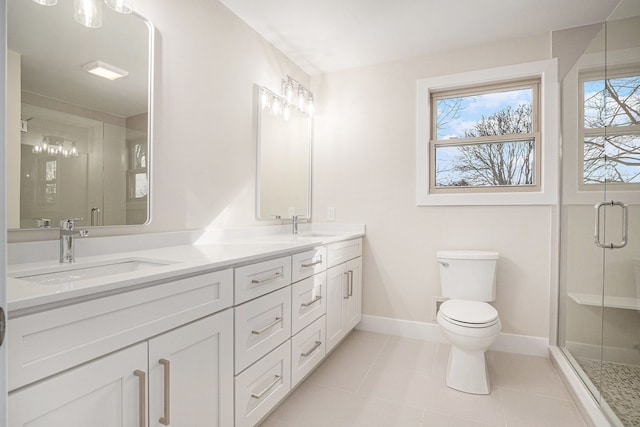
(310, 105)
(74, 150)
(265, 99)
(288, 91)
(302, 99)
(120, 6)
(286, 113)
(88, 12)
(275, 107)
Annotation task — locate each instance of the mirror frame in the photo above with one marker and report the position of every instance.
(259, 112)
(150, 120)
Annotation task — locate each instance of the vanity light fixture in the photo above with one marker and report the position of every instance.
(56, 146)
(105, 70)
(89, 12)
(120, 6)
(295, 97)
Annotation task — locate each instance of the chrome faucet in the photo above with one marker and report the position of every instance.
(295, 220)
(67, 235)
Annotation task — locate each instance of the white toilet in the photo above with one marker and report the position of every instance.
(468, 280)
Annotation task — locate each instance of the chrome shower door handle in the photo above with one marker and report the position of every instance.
(625, 225)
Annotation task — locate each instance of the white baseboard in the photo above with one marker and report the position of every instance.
(521, 344)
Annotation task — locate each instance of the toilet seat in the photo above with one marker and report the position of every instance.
(470, 314)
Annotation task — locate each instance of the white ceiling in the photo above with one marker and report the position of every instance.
(329, 35)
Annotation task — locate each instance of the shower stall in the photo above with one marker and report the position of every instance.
(599, 301)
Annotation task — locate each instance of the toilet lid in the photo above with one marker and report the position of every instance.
(469, 312)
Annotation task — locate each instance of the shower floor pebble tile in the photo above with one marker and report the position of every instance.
(378, 380)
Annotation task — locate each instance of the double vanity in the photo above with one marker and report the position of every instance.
(213, 333)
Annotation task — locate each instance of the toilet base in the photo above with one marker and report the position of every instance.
(467, 371)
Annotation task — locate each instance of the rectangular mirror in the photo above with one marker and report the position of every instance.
(78, 144)
(283, 187)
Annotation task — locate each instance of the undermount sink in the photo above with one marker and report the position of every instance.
(76, 272)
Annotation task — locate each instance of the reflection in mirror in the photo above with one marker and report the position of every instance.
(80, 146)
(283, 187)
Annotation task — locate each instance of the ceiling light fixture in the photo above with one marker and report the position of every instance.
(105, 70)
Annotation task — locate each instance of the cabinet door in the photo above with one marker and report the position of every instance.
(353, 304)
(336, 294)
(107, 392)
(191, 374)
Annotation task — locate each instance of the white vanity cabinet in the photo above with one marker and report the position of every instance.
(191, 374)
(344, 290)
(99, 362)
(110, 391)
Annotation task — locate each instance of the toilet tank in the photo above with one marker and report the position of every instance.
(469, 275)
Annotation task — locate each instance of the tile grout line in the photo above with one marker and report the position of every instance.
(373, 363)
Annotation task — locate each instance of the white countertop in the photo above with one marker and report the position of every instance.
(208, 253)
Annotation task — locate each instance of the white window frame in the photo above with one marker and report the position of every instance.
(547, 72)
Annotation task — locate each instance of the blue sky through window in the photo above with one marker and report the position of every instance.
(459, 114)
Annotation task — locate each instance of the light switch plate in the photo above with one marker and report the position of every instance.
(331, 214)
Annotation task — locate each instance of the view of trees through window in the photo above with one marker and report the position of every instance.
(611, 151)
(486, 139)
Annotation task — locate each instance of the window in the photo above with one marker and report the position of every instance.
(610, 131)
(486, 138)
(137, 180)
(489, 137)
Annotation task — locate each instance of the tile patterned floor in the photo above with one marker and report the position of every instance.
(621, 387)
(378, 380)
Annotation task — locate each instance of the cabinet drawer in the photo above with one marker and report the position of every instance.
(307, 350)
(261, 325)
(261, 387)
(51, 341)
(306, 264)
(252, 281)
(340, 252)
(308, 301)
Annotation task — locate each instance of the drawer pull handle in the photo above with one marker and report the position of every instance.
(276, 380)
(268, 279)
(313, 264)
(142, 381)
(166, 419)
(275, 322)
(345, 295)
(313, 301)
(312, 349)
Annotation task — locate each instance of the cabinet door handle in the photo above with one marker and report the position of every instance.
(276, 380)
(350, 282)
(275, 322)
(142, 396)
(345, 295)
(316, 299)
(312, 349)
(267, 279)
(166, 419)
(312, 264)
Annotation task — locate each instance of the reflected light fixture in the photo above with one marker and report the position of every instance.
(105, 70)
(88, 12)
(47, 2)
(120, 6)
(55, 146)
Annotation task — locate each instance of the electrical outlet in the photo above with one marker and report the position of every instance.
(331, 214)
(435, 304)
